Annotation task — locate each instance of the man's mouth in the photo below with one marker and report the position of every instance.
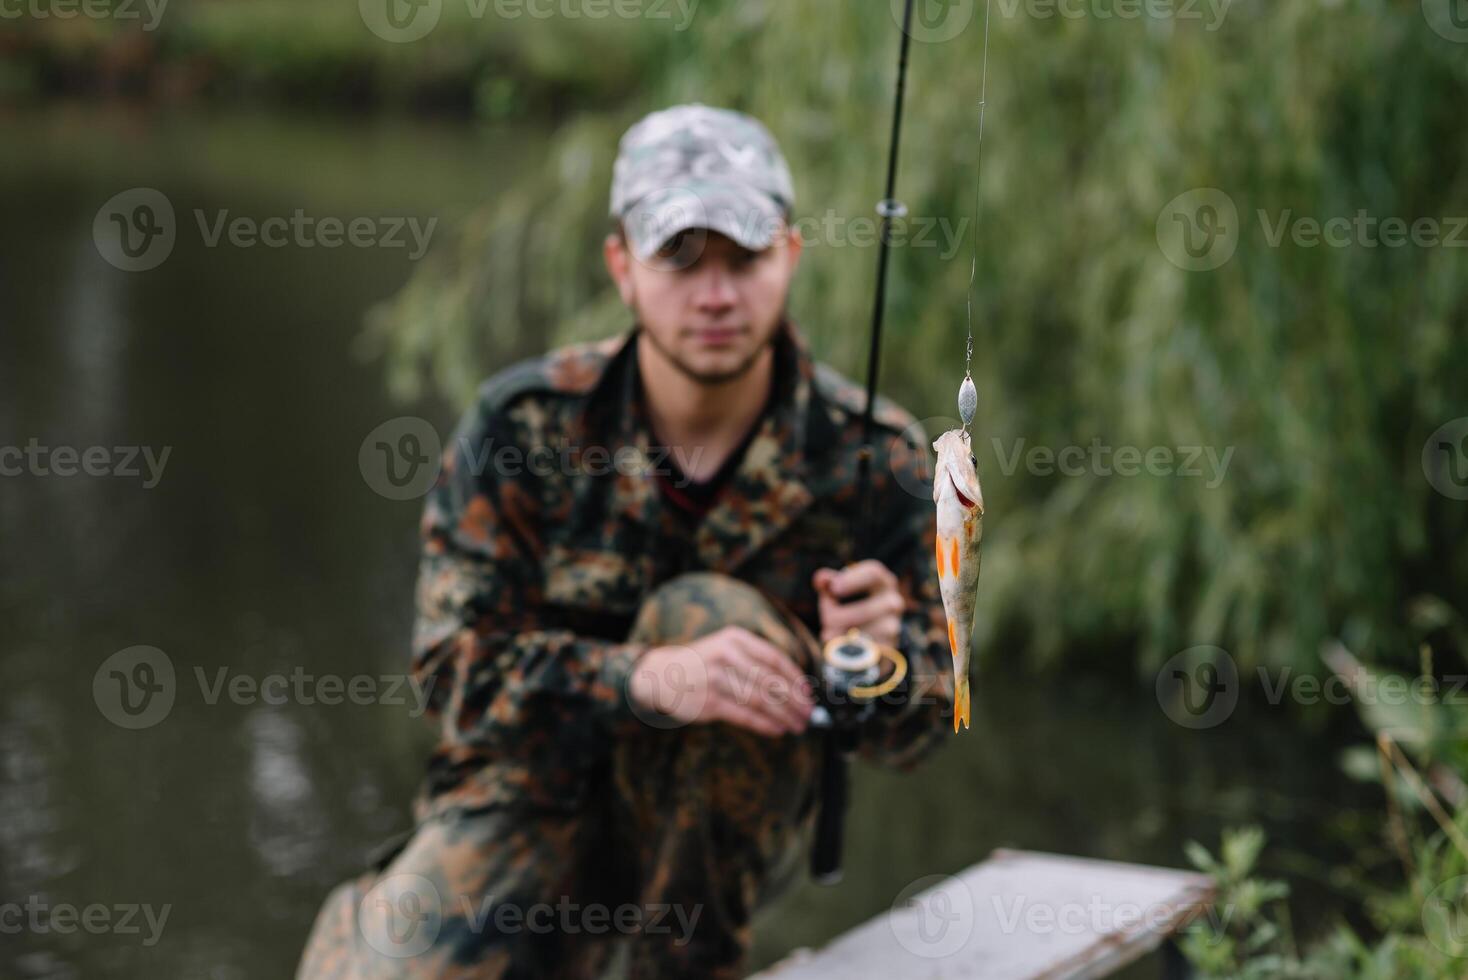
(717, 336)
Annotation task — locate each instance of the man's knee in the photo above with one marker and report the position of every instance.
(699, 603)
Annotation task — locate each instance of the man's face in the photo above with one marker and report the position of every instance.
(707, 304)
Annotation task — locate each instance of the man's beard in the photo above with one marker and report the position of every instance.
(709, 378)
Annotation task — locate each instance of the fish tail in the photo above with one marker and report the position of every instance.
(961, 703)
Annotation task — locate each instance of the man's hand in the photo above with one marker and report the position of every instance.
(878, 614)
(731, 675)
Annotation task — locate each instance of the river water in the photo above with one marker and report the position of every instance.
(255, 549)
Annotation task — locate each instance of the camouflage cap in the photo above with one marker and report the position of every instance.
(692, 166)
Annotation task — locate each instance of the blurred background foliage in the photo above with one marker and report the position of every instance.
(317, 52)
(1322, 370)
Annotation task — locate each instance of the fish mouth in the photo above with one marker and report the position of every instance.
(962, 497)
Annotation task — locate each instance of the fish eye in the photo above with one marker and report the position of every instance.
(973, 460)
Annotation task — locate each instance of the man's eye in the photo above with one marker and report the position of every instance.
(670, 248)
(679, 252)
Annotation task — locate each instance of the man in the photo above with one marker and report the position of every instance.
(619, 627)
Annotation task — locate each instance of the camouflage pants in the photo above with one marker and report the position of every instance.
(693, 829)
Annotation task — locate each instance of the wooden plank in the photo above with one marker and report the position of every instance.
(1019, 915)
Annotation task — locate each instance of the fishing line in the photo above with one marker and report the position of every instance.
(968, 396)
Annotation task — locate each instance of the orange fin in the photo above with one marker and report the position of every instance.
(961, 704)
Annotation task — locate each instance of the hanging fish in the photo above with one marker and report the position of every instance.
(960, 503)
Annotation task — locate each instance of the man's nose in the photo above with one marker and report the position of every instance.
(715, 289)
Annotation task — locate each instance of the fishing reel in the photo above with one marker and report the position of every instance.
(851, 670)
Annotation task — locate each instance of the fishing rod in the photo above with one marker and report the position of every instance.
(888, 208)
(840, 740)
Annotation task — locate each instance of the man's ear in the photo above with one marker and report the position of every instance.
(619, 265)
(794, 244)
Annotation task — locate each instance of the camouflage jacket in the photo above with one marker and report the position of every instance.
(546, 529)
